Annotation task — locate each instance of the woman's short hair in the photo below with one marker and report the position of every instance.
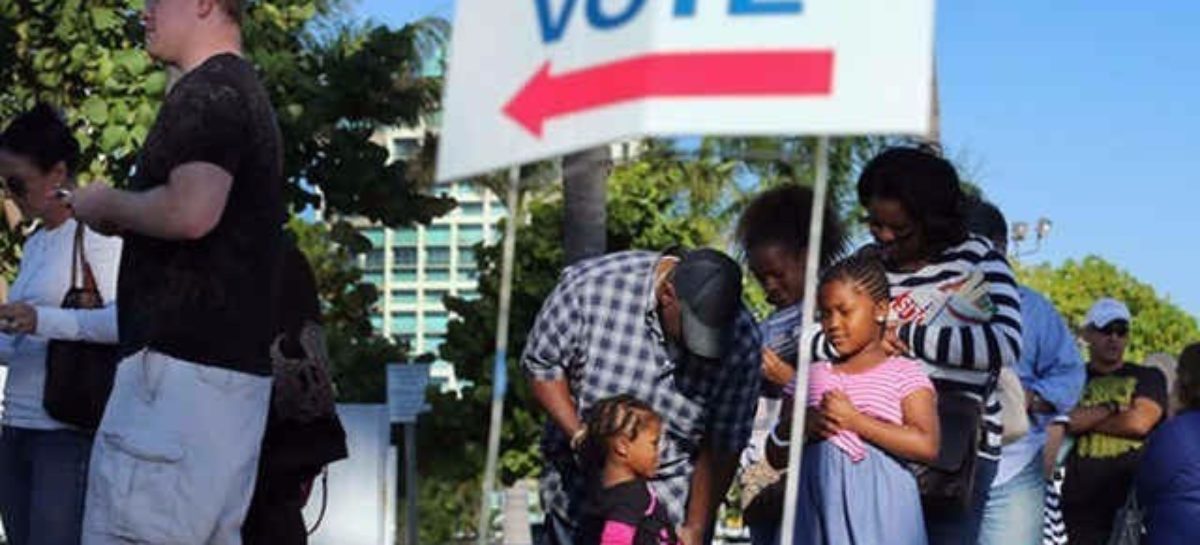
(774, 218)
(928, 188)
(43, 137)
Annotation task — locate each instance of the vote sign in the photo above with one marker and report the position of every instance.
(531, 79)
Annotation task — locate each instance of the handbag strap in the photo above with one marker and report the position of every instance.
(80, 263)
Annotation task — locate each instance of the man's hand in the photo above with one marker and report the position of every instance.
(90, 205)
(775, 369)
(18, 318)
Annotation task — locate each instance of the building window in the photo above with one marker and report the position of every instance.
(404, 322)
(469, 234)
(437, 275)
(434, 297)
(437, 256)
(404, 275)
(468, 295)
(466, 258)
(471, 209)
(468, 275)
(405, 237)
(404, 297)
(437, 234)
(375, 236)
(405, 258)
(374, 260)
(434, 342)
(373, 278)
(435, 322)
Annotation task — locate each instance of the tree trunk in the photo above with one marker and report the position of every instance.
(585, 176)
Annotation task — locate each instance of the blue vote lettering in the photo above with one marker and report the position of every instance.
(554, 25)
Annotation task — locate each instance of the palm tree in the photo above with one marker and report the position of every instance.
(585, 174)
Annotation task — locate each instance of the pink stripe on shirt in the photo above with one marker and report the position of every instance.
(878, 392)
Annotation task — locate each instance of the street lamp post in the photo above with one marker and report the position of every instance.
(1020, 233)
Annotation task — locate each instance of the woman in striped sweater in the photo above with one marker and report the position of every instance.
(954, 308)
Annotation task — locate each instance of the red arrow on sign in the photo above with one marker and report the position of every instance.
(671, 75)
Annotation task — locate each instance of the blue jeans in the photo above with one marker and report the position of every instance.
(962, 528)
(43, 479)
(1015, 509)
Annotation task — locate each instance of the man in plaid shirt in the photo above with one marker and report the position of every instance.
(669, 330)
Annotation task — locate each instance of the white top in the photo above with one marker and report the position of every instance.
(42, 281)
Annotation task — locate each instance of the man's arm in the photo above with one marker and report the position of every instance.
(188, 207)
(549, 350)
(554, 396)
(712, 475)
(1060, 377)
(1085, 419)
(731, 420)
(1134, 423)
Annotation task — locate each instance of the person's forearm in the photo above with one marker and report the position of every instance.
(711, 477)
(1084, 419)
(1127, 424)
(907, 442)
(554, 396)
(150, 213)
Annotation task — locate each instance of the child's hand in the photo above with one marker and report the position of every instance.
(775, 369)
(817, 426)
(839, 411)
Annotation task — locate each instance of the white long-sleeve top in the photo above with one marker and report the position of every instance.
(42, 280)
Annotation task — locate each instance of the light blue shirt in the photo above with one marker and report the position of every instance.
(1051, 366)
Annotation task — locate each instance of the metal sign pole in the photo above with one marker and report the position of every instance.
(500, 370)
(795, 450)
(410, 478)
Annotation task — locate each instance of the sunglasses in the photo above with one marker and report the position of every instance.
(1120, 330)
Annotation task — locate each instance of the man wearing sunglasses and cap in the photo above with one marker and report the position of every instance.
(669, 329)
(1121, 404)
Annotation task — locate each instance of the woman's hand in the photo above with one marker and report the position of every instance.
(18, 318)
(892, 344)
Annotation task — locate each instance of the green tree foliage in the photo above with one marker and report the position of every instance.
(333, 84)
(1158, 325)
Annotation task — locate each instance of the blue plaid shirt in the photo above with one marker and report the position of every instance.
(599, 330)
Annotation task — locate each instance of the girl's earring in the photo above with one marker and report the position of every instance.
(880, 319)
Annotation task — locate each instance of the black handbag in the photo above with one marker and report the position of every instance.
(948, 484)
(79, 375)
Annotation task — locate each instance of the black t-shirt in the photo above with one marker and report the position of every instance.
(1101, 467)
(208, 301)
(631, 507)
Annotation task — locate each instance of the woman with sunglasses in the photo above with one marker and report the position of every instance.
(954, 307)
(1121, 404)
(43, 462)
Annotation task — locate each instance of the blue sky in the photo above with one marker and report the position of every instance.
(1083, 112)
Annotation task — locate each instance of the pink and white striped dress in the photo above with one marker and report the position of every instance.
(878, 392)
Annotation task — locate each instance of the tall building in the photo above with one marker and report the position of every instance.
(415, 268)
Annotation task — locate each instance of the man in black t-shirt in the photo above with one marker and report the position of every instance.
(177, 450)
(1121, 404)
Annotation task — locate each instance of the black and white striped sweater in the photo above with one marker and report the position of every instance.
(961, 317)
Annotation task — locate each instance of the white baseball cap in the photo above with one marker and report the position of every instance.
(1106, 311)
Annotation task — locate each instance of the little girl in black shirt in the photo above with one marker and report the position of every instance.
(622, 442)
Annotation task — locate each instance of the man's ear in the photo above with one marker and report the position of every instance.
(666, 295)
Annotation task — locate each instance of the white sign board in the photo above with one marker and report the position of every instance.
(406, 391)
(531, 79)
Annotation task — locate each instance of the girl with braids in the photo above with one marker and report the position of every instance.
(868, 411)
(621, 442)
